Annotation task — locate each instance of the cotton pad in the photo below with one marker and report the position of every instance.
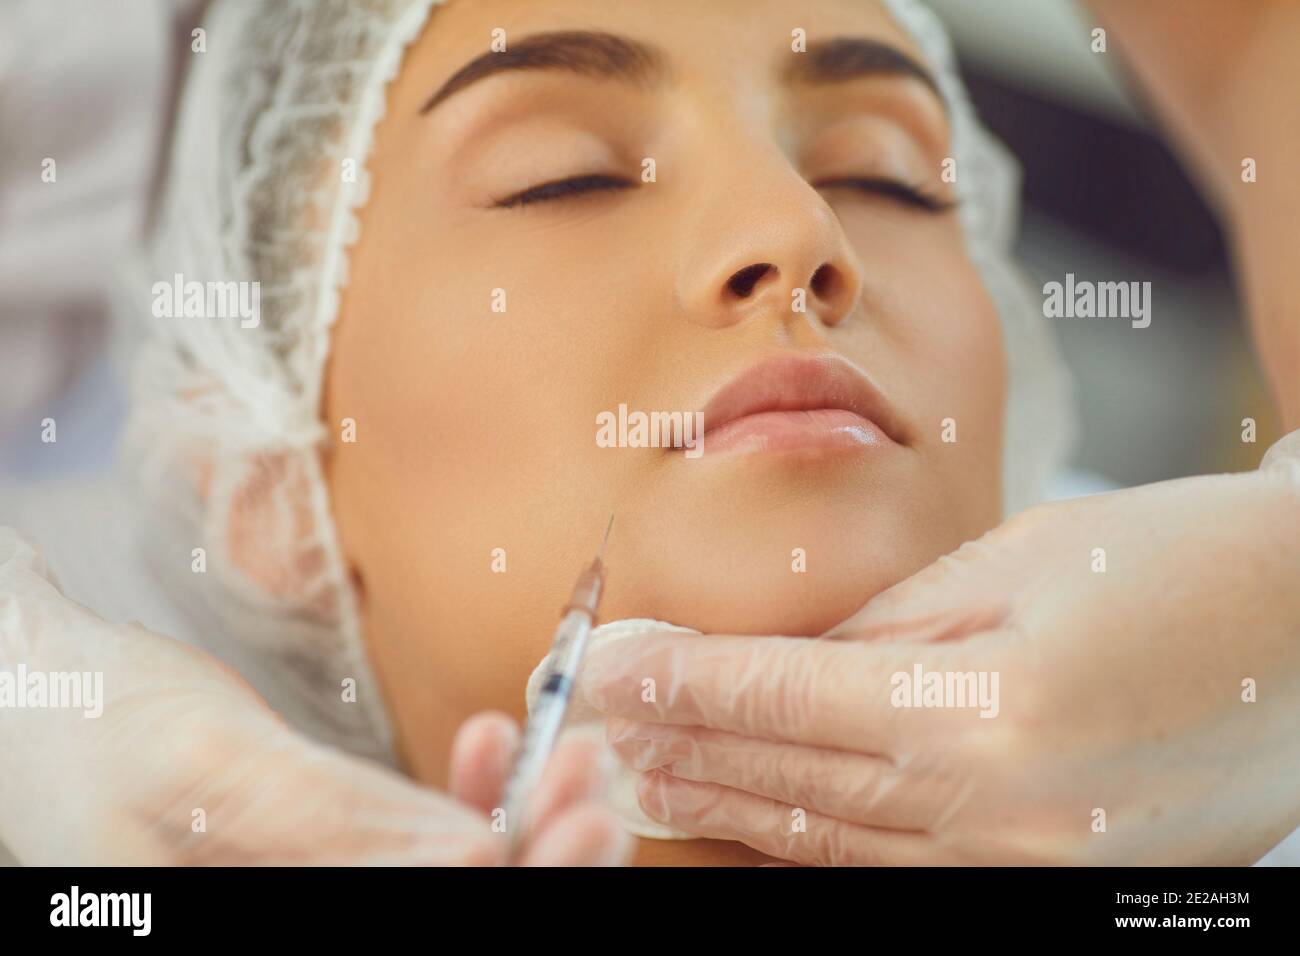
(584, 721)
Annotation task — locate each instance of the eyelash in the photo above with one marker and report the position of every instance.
(913, 196)
(563, 189)
(579, 185)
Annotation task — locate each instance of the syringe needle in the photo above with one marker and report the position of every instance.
(601, 553)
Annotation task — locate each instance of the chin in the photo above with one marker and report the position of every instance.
(797, 608)
(750, 595)
(757, 556)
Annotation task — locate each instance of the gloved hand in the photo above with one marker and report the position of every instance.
(1146, 713)
(181, 733)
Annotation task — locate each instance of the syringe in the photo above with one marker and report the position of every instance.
(542, 729)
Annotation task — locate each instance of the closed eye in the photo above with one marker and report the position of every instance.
(891, 189)
(562, 188)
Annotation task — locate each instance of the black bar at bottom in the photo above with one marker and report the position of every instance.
(333, 906)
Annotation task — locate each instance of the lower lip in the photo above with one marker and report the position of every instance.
(818, 429)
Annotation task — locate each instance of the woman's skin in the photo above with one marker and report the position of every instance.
(476, 429)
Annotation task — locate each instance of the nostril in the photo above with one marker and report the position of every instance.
(742, 282)
(824, 282)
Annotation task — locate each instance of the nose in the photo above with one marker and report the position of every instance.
(777, 250)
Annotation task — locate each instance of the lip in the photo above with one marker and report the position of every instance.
(799, 402)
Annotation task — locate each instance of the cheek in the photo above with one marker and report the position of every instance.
(476, 440)
(935, 308)
(964, 346)
(949, 334)
(968, 360)
(932, 311)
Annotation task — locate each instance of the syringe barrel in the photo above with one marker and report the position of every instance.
(587, 592)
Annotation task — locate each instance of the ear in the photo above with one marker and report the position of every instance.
(275, 528)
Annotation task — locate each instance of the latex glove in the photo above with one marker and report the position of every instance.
(1120, 693)
(180, 732)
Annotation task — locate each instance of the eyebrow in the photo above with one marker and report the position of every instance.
(587, 53)
(843, 59)
(609, 56)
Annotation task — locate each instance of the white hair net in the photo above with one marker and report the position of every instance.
(225, 418)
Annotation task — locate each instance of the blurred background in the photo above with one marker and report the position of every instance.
(1105, 199)
(91, 84)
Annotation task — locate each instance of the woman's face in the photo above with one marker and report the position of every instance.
(488, 323)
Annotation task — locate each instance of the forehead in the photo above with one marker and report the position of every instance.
(718, 41)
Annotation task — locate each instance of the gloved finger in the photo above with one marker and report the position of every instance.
(576, 774)
(583, 835)
(778, 829)
(959, 594)
(45, 630)
(912, 619)
(797, 690)
(26, 592)
(854, 788)
(354, 811)
(16, 549)
(481, 756)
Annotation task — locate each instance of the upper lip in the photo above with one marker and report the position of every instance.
(802, 382)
